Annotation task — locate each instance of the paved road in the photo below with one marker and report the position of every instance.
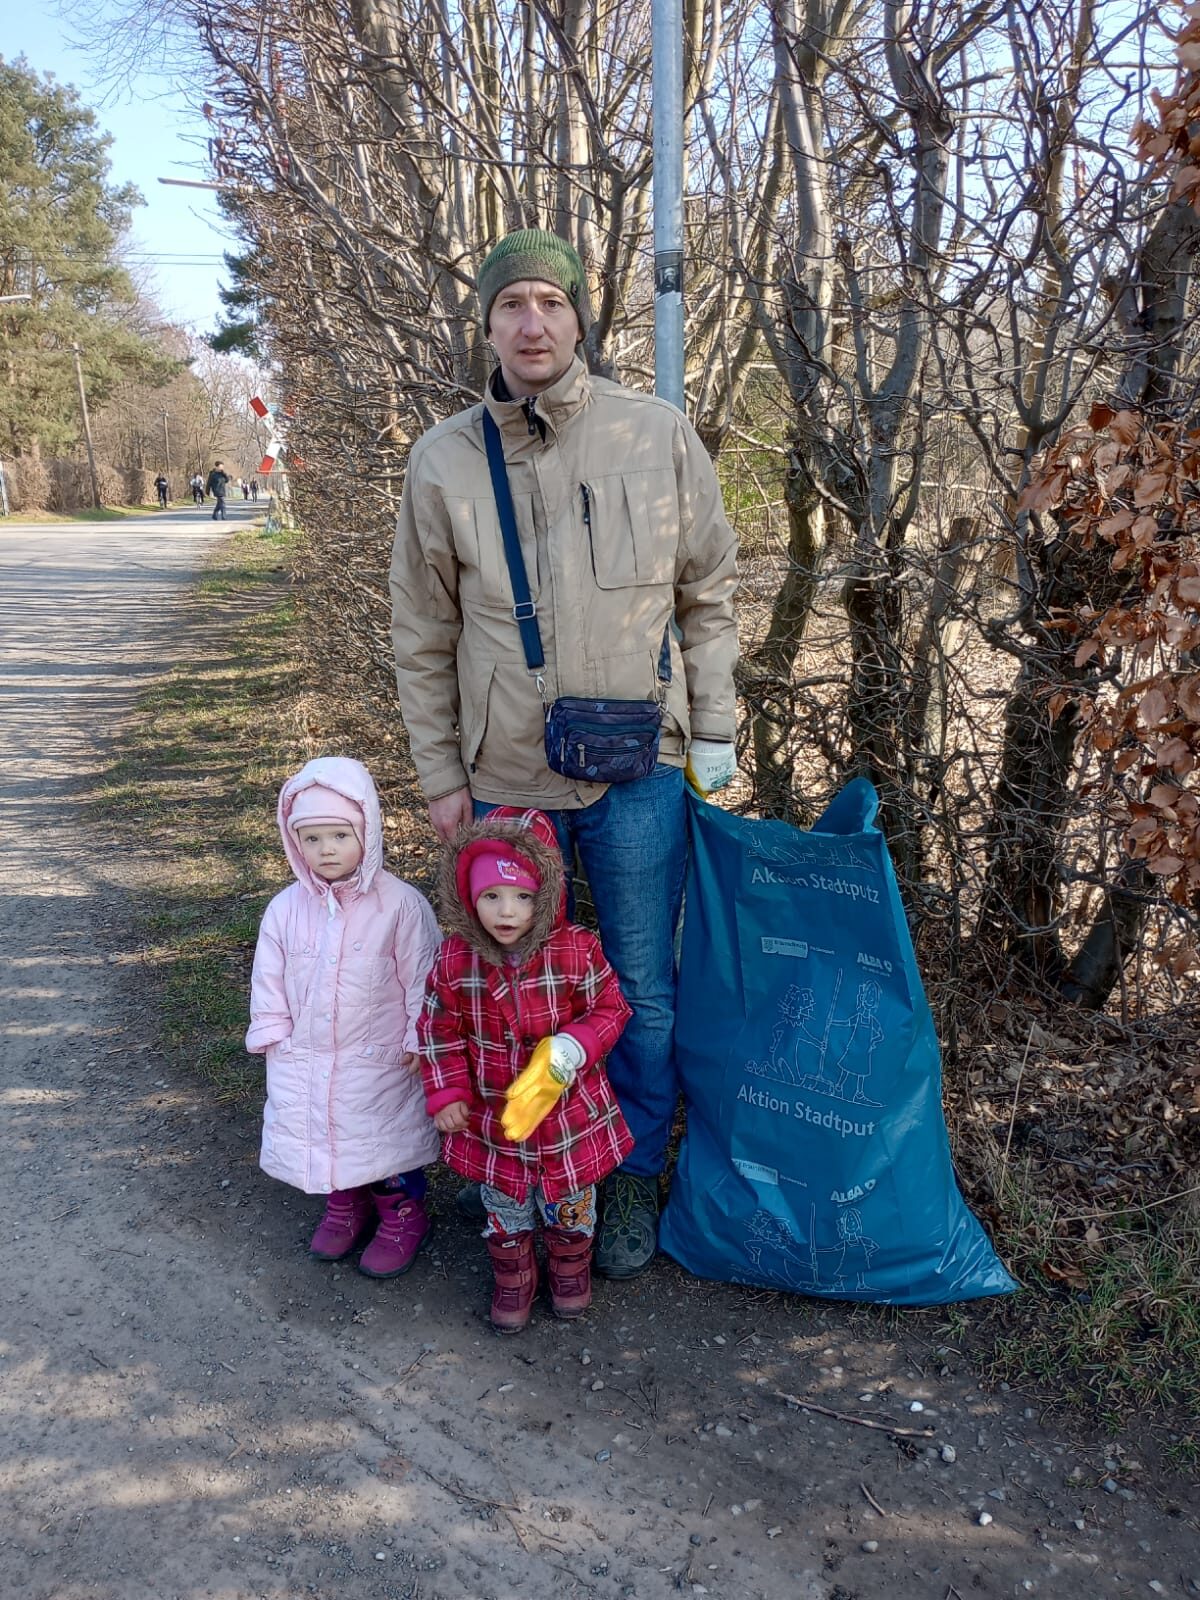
(192, 1409)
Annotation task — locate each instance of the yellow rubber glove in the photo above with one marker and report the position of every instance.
(532, 1095)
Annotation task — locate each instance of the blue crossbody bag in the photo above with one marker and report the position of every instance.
(592, 741)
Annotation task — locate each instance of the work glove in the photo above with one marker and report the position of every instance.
(710, 765)
(534, 1094)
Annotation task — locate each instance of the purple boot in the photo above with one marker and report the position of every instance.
(404, 1226)
(349, 1216)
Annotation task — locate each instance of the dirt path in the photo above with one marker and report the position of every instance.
(193, 1408)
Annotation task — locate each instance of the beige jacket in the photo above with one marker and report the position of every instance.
(621, 525)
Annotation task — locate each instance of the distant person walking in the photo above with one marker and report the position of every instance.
(218, 483)
(163, 489)
(254, 490)
(196, 484)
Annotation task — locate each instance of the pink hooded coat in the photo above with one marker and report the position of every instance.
(338, 983)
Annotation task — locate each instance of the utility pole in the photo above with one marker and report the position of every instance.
(666, 70)
(87, 425)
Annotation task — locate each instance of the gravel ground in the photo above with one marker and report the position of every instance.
(194, 1408)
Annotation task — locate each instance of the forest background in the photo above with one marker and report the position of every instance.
(942, 344)
(158, 397)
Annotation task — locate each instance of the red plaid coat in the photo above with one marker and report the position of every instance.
(485, 1010)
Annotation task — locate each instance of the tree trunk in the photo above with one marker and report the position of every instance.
(768, 670)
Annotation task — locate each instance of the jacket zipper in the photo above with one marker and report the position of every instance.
(587, 507)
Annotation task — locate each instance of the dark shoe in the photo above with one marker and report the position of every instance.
(470, 1203)
(404, 1226)
(349, 1218)
(514, 1267)
(628, 1234)
(569, 1268)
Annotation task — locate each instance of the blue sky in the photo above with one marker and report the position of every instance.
(178, 235)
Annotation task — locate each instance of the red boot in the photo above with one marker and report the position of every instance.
(569, 1263)
(514, 1267)
(349, 1217)
(404, 1226)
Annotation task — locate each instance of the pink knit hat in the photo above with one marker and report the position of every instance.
(497, 865)
(317, 804)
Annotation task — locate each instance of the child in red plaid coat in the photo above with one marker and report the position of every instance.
(512, 972)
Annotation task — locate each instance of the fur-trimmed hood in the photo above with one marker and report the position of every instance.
(530, 834)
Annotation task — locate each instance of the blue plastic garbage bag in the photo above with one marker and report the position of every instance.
(815, 1157)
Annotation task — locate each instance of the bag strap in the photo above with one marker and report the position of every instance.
(525, 611)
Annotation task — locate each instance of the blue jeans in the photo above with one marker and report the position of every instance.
(633, 847)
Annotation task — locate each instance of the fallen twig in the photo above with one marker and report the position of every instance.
(1016, 1092)
(861, 1422)
(871, 1500)
(460, 1493)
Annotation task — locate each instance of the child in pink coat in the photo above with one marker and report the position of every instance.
(338, 983)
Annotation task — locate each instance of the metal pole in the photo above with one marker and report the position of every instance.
(87, 426)
(666, 66)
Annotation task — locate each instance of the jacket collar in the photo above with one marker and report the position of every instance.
(555, 406)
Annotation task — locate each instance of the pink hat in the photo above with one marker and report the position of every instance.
(497, 864)
(317, 804)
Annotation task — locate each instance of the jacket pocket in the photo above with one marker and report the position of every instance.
(632, 523)
(506, 747)
(479, 545)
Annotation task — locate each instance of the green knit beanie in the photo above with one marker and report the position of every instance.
(534, 253)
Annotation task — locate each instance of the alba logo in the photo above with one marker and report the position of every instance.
(509, 871)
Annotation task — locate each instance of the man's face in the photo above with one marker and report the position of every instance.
(534, 330)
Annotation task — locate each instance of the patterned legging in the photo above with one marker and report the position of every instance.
(574, 1213)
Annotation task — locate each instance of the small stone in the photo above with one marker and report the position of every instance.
(751, 1505)
(603, 1455)
(723, 1432)
(869, 1546)
(949, 1454)
(995, 1494)
(504, 1388)
(736, 1511)
(866, 1398)
(984, 1519)
(696, 1538)
(719, 1338)
(224, 1183)
(1156, 1586)
(1080, 1524)
(585, 1360)
(381, 1555)
(916, 1406)
(1109, 1486)
(773, 1533)
(597, 1385)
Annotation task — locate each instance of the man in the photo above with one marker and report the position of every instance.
(163, 489)
(218, 482)
(621, 526)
